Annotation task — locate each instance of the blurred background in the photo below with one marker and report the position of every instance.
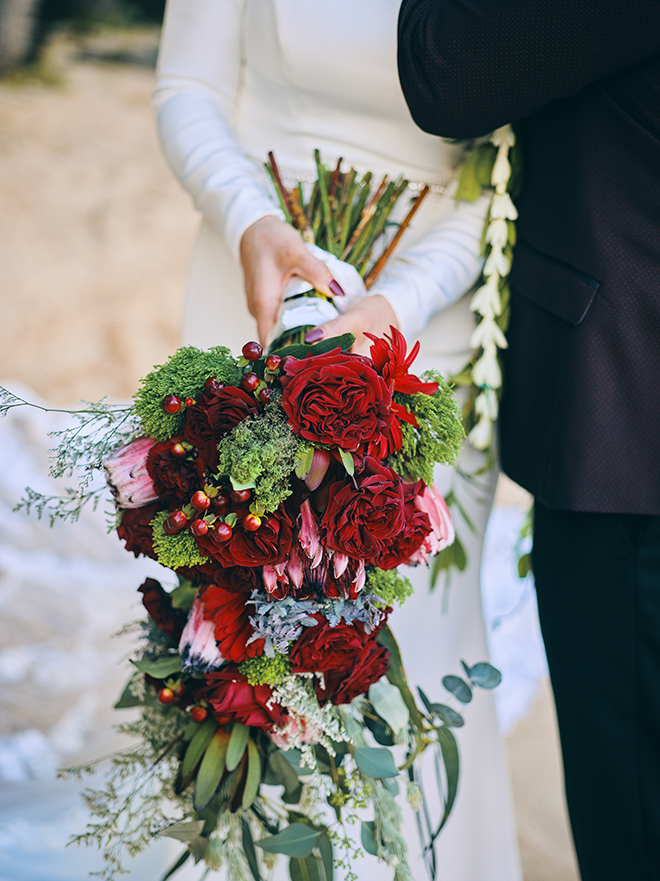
(95, 239)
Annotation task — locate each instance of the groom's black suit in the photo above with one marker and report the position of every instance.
(580, 416)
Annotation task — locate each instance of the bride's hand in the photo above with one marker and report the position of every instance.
(272, 253)
(368, 314)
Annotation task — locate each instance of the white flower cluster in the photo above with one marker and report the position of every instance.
(487, 303)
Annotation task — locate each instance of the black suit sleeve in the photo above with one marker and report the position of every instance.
(469, 66)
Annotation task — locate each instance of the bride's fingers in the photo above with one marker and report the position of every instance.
(315, 271)
(370, 314)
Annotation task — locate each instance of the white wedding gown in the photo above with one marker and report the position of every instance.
(237, 78)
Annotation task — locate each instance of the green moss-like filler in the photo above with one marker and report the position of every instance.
(389, 585)
(439, 436)
(184, 374)
(265, 670)
(175, 550)
(261, 452)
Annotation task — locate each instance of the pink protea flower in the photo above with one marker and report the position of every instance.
(431, 503)
(198, 647)
(308, 536)
(127, 475)
(297, 732)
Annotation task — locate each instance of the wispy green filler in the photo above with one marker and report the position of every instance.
(439, 436)
(265, 670)
(184, 374)
(175, 550)
(389, 585)
(262, 453)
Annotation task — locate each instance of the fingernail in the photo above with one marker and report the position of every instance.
(336, 289)
(314, 335)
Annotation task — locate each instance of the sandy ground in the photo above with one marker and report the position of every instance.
(96, 236)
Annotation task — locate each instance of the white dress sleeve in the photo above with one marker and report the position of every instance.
(437, 270)
(197, 86)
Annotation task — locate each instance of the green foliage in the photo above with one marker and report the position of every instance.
(439, 436)
(177, 550)
(265, 670)
(183, 374)
(262, 453)
(475, 173)
(389, 585)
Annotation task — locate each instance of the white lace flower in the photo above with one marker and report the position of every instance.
(503, 137)
(501, 169)
(486, 334)
(498, 262)
(486, 300)
(497, 233)
(502, 206)
(486, 372)
(481, 435)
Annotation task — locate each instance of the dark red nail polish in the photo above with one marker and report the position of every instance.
(314, 335)
(335, 287)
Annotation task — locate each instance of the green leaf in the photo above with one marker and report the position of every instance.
(197, 746)
(128, 699)
(253, 775)
(390, 706)
(451, 759)
(182, 596)
(325, 848)
(376, 761)
(448, 715)
(397, 675)
(283, 771)
(198, 848)
(469, 188)
(524, 565)
(485, 675)
(295, 840)
(186, 831)
(347, 461)
(368, 837)
(458, 687)
(483, 167)
(238, 741)
(302, 350)
(304, 870)
(211, 770)
(305, 463)
(452, 557)
(249, 851)
(159, 668)
(182, 860)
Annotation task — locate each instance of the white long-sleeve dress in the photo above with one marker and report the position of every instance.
(237, 78)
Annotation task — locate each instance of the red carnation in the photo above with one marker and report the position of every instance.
(135, 530)
(233, 699)
(323, 648)
(231, 617)
(417, 526)
(371, 665)
(215, 414)
(172, 475)
(361, 518)
(158, 604)
(336, 399)
(270, 543)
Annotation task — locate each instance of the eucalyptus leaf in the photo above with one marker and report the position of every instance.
(390, 706)
(238, 741)
(211, 770)
(185, 831)
(304, 870)
(392, 785)
(458, 687)
(448, 715)
(283, 771)
(249, 851)
(253, 775)
(397, 675)
(325, 848)
(376, 761)
(368, 837)
(296, 840)
(197, 746)
(159, 668)
(485, 675)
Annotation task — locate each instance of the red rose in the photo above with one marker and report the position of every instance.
(372, 664)
(214, 415)
(172, 475)
(271, 543)
(417, 527)
(158, 604)
(233, 699)
(231, 617)
(322, 648)
(336, 399)
(135, 530)
(362, 518)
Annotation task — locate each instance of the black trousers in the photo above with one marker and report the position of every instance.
(598, 587)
